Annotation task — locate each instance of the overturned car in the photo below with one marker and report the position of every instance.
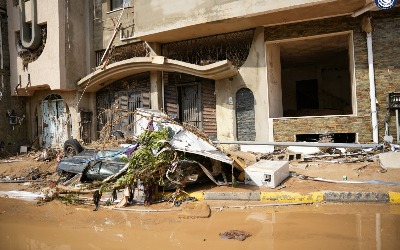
(166, 154)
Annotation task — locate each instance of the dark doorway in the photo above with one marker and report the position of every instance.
(307, 94)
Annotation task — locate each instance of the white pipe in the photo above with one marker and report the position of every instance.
(378, 236)
(397, 126)
(374, 114)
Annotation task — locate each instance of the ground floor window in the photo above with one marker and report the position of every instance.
(191, 100)
(117, 102)
(311, 76)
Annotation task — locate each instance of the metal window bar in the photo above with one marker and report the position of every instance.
(134, 102)
(124, 52)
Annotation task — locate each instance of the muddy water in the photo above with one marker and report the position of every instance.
(23, 225)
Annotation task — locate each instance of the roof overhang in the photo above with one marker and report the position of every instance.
(119, 70)
(235, 17)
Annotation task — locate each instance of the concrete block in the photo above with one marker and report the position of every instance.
(267, 173)
(247, 196)
(389, 160)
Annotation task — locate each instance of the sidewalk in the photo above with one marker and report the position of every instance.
(297, 190)
(294, 197)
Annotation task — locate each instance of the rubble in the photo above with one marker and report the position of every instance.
(164, 154)
(389, 160)
(235, 234)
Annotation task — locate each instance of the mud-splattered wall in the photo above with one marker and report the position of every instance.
(13, 135)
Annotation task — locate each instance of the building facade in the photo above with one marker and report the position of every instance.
(12, 108)
(238, 70)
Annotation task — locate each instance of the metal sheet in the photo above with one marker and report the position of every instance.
(182, 139)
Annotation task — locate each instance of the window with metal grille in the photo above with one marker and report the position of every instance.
(119, 4)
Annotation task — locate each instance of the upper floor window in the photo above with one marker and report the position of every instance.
(118, 4)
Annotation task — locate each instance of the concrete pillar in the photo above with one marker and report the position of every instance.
(273, 55)
(156, 100)
(155, 49)
(156, 90)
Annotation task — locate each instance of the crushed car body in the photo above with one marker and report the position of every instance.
(98, 165)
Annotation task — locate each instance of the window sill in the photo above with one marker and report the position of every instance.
(308, 117)
(119, 9)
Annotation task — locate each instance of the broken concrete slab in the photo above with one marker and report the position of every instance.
(248, 158)
(389, 160)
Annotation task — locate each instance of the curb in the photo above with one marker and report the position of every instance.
(294, 197)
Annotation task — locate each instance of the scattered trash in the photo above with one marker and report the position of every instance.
(46, 154)
(235, 234)
(23, 195)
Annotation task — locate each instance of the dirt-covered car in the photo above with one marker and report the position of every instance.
(94, 164)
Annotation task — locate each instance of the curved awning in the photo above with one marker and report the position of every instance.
(119, 70)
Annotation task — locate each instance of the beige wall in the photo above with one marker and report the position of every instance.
(104, 24)
(251, 75)
(62, 61)
(169, 15)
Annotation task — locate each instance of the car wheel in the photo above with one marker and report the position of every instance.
(72, 147)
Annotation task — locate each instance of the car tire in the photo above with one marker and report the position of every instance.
(72, 147)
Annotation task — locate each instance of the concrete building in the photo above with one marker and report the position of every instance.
(12, 109)
(292, 70)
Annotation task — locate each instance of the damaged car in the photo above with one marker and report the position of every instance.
(191, 157)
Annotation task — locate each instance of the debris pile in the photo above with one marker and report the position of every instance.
(165, 155)
(235, 234)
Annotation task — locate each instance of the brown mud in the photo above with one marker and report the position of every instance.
(55, 225)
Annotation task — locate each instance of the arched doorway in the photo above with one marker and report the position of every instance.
(54, 121)
(245, 116)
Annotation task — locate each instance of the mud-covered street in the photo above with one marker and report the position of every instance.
(69, 222)
(23, 225)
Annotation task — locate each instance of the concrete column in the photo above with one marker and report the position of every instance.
(273, 54)
(156, 100)
(156, 90)
(155, 49)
